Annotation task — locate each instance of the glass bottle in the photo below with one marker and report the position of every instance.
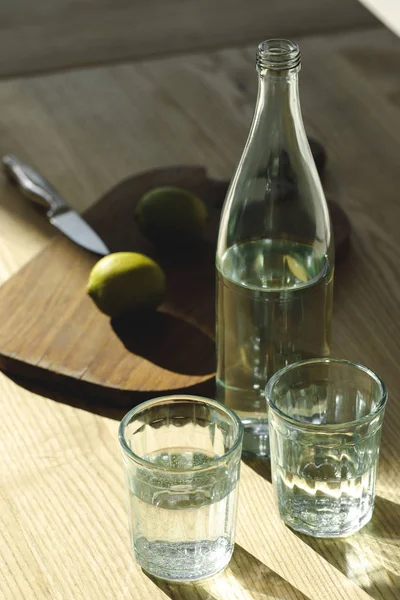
(275, 256)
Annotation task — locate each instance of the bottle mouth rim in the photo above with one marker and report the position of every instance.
(278, 54)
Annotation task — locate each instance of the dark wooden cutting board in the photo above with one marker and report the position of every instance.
(52, 331)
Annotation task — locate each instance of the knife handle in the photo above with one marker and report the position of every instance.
(34, 186)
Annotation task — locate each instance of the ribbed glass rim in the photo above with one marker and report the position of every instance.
(278, 54)
(168, 400)
(326, 426)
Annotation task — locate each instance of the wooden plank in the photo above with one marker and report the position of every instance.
(64, 533)
(54, 34)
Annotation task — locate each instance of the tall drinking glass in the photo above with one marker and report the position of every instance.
(325, 420)
(181, 457)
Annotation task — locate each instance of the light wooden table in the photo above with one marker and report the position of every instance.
(63, 532)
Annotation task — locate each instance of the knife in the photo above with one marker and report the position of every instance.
(36, 188)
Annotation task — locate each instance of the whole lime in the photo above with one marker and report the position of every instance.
(126, 282)
(171, 215)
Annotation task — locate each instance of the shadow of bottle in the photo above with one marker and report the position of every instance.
(167, 341)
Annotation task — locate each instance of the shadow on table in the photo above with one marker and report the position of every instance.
(98, 399)
(245, 577)
(261, 466)
(371, 557)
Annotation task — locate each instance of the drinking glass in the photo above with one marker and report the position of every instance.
(325, 418)
(181, 457)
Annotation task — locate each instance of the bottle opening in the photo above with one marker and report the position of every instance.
(278, 55)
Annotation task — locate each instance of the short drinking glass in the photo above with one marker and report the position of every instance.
(325, 418)
(181, 457)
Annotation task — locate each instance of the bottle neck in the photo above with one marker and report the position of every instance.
(278, 98)
(278, 106)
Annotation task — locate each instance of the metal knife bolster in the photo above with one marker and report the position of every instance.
(34, 186)
(37, 188)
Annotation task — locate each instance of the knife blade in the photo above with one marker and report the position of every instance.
(68, 221)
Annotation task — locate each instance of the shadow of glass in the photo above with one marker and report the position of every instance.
(371, 557)
(244, 577)
(149, 336)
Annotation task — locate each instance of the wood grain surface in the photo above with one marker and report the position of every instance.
(63, 533)
(54, 34)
